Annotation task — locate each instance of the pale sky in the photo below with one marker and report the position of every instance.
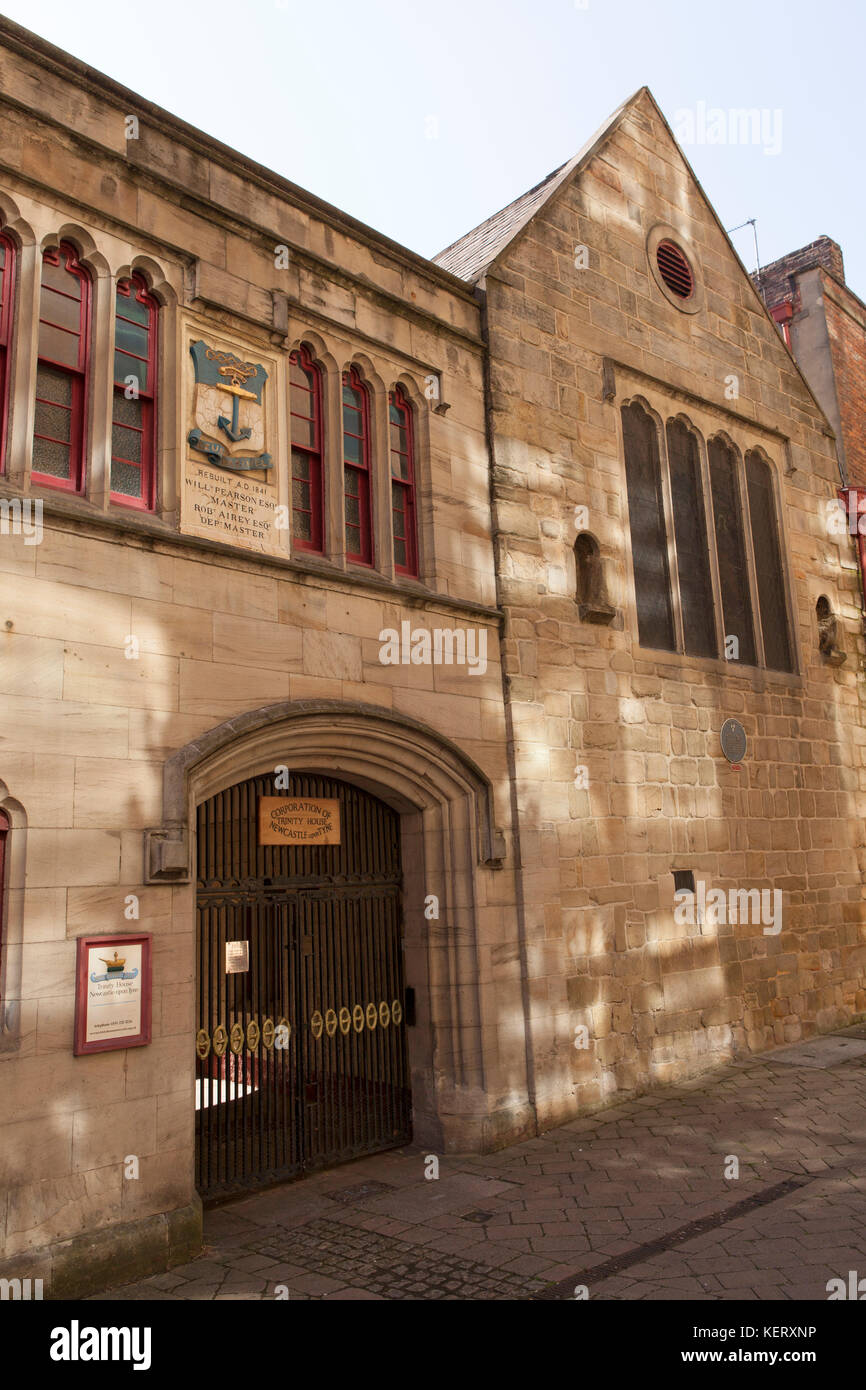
(421, 119)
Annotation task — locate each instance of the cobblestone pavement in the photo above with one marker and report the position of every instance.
(631, 1203)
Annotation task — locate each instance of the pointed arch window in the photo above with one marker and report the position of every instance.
(706, 545)
(133, 428)
(7, 291)
(403, 508)
(61, 370)
(308, 474)
(357, 490)
(647, 526)
(768, 563)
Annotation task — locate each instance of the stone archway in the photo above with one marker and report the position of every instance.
(447, 832)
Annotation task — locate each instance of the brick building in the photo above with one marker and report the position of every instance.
(823, 322)
(370, 626)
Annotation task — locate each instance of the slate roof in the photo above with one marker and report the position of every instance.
(473, 254)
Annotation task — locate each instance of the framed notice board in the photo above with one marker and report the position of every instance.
(113, 986)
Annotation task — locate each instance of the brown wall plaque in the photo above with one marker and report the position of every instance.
(298, 820)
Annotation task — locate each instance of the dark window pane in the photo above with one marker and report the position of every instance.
(49, 457)
(303, 431)
(54, 421)
(300, 494)
(126, 444)
(125, 366)
(126, 412)
(302, 526)
(60, 310)
(690, 531)
(400, 553)
(58, 346)
(125, 479)
(646, 523)
(54, 386)
(730, 546)
(300, 464)
(353, 510)
(768, 565)
(129, 337)
(57, 277)
(128, 307)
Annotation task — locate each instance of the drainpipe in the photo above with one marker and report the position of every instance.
(520, 900)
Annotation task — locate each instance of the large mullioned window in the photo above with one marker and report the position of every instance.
(7, 291)
(403, 483)
(357, 489)
(133, 429)
(61, 371)
(700, 588)
(308, 476)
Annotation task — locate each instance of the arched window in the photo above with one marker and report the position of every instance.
(133, 429)
(7, 291)
(308, 474)
(356, 469)
(403, 483)
(731, 550)
(61, 370)
(647, 526)
(690, 533)
(768, 563)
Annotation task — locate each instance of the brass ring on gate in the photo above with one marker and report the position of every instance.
(253, 1035)
(372, 1016)
(236, 1038)
(345, 1020)
(220, 1040)
(269, 1032)
(384, 1014)
(330, 1023)
(358, 1018)
(316, 1024)
(202, 1043)
(396, 1011)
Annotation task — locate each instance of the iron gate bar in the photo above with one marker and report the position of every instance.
(323, 927)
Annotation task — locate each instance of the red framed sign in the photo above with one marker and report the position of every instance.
(113, 987)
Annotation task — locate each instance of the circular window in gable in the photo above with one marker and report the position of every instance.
(674, 269)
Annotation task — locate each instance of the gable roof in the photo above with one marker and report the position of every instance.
(471, 256)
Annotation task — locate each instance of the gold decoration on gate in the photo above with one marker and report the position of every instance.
(220, 1040)
(330, 1023)
(396, 1011)
(254, 1032)
(202, 1043)
(372, 1016)
(345, 1020)
(384, 1014)
(316, 1024)
(358, 1018)
(236, 1038)
(269, 1032)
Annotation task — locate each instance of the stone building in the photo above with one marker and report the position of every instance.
(370, 626)
(661, 476)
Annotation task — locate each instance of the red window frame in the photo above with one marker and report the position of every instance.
(403, 489)
(782, 315)
(313, 453)
(78, 375)
(146, 499)
(7, 297)
(358, 472)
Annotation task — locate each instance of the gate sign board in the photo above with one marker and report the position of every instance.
(113, 993)
(298, 820)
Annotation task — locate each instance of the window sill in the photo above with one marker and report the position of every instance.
(713, 665)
